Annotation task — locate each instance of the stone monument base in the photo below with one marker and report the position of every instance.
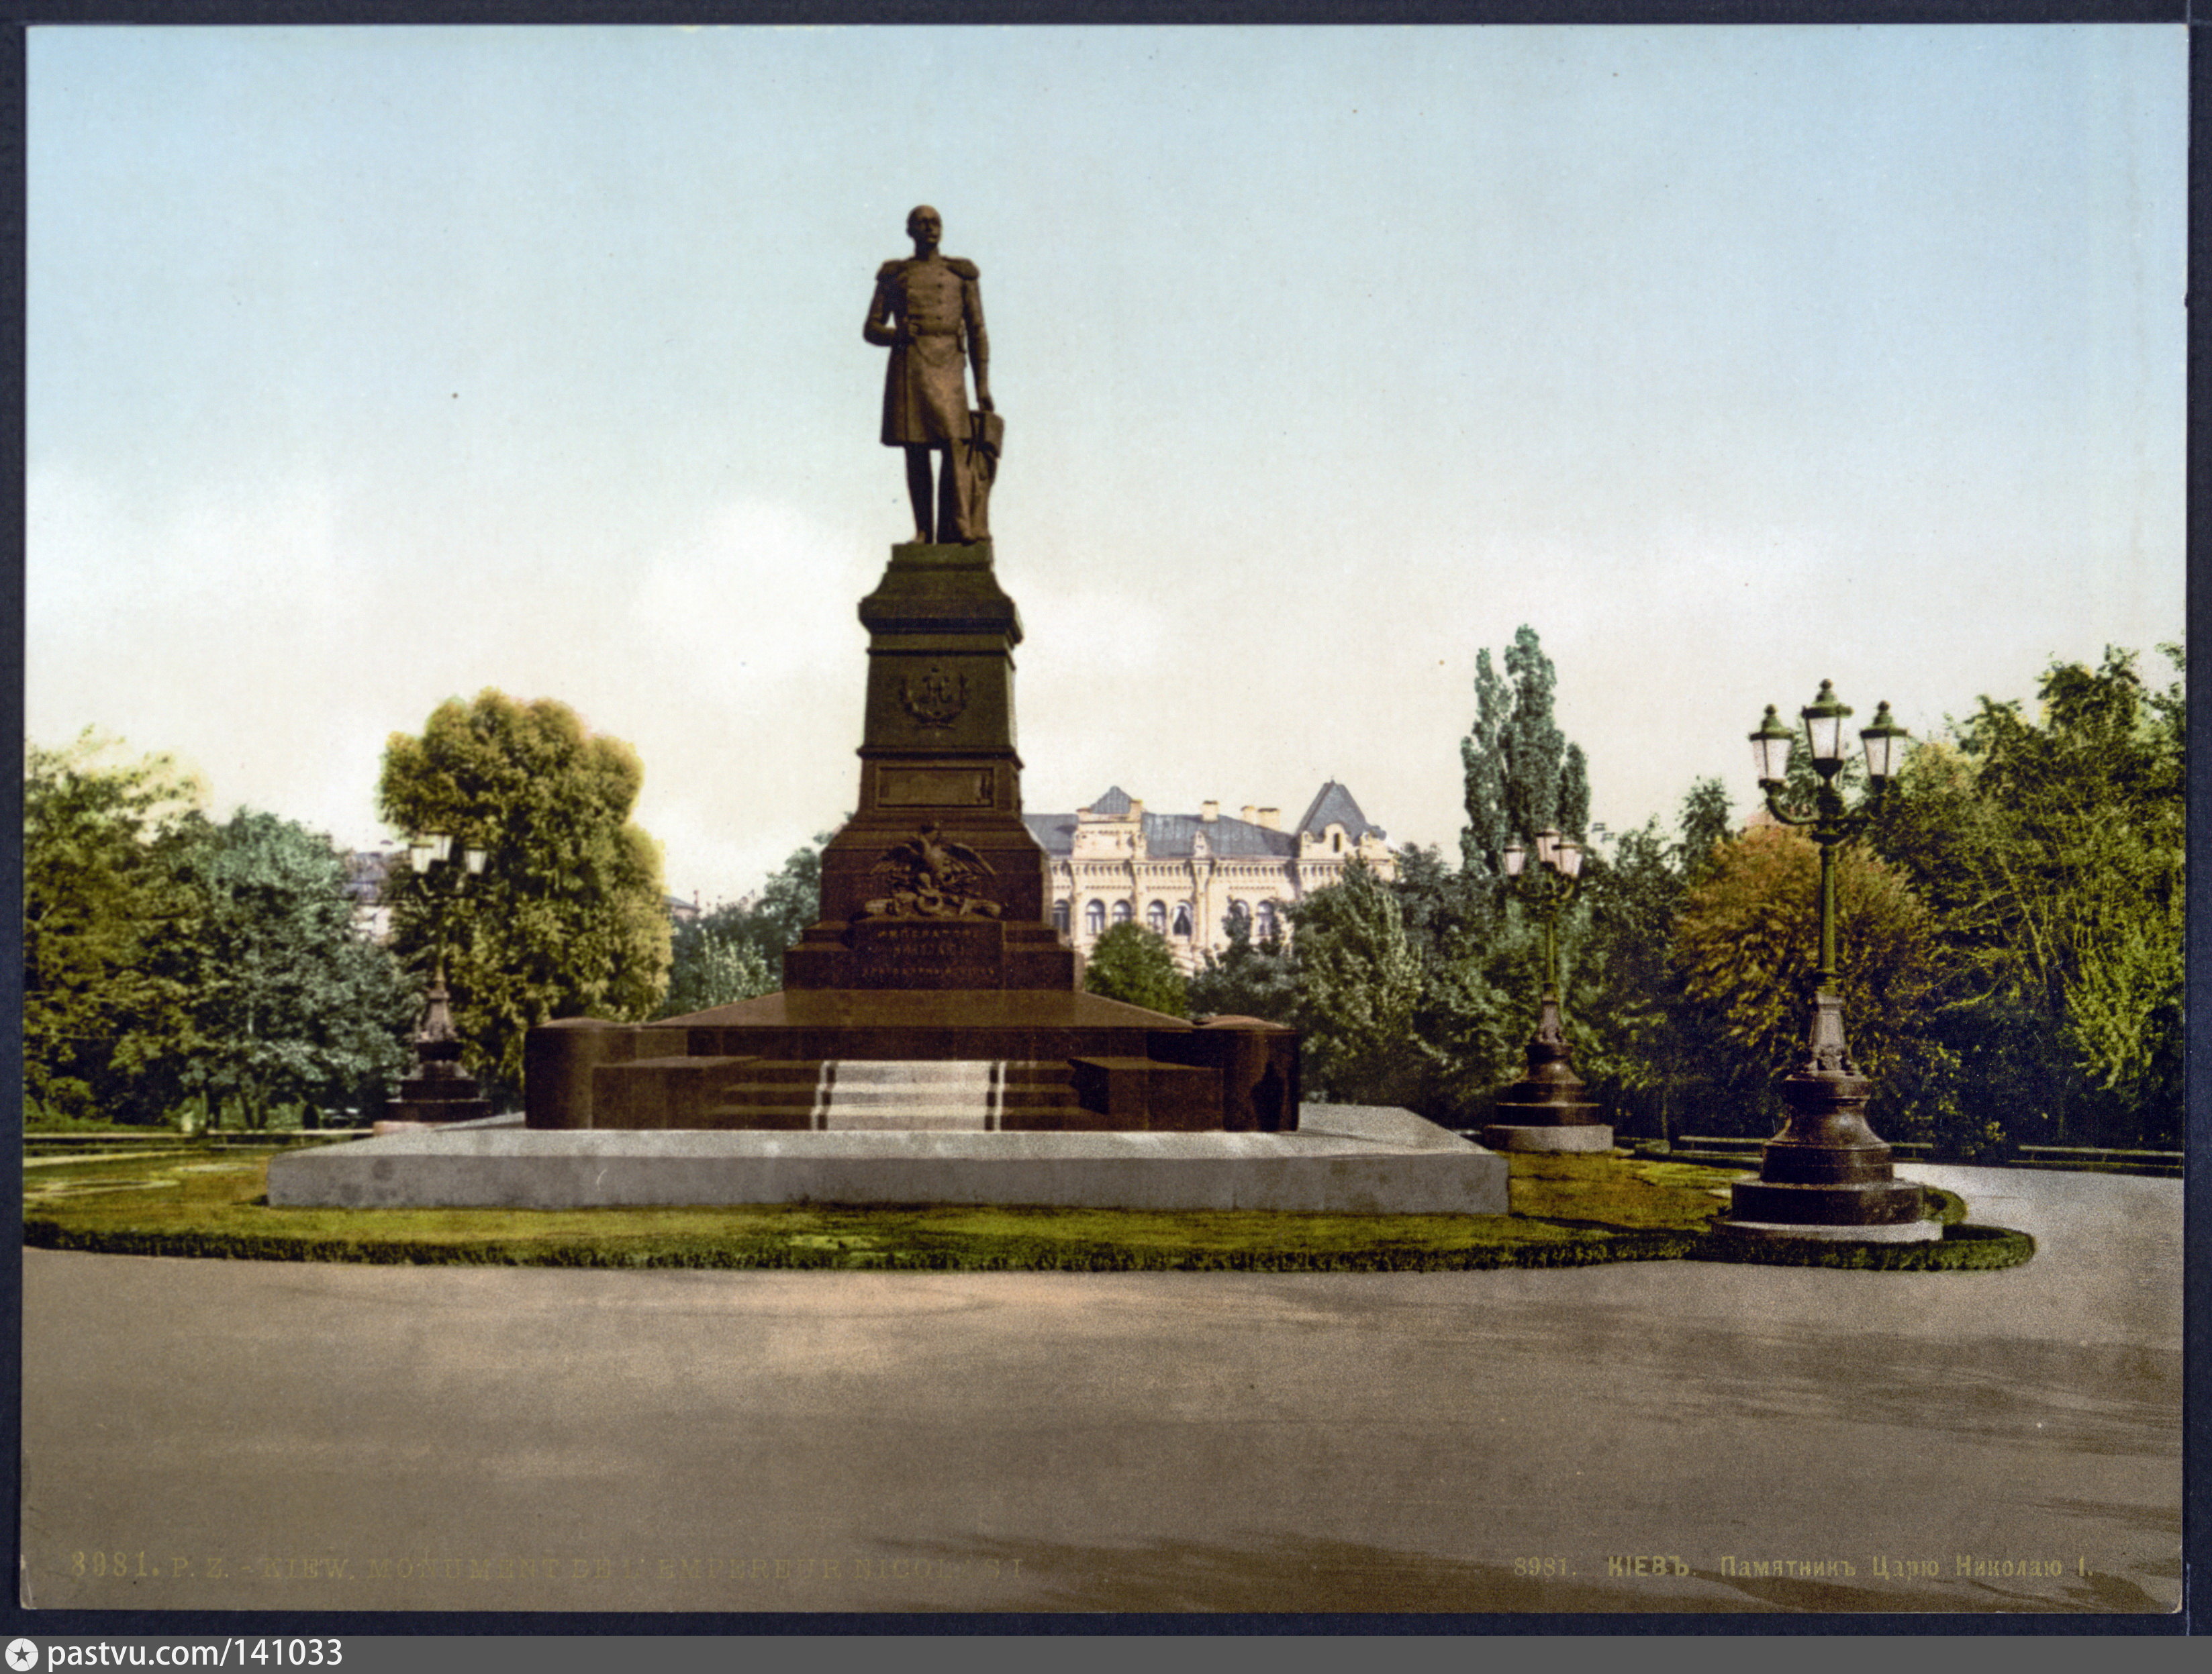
(823, 1059)
(1341, 1159)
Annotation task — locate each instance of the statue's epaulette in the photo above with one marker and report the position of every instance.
(963, 267)
(890, 267)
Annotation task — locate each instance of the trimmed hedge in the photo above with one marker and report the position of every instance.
(963, 1255)
(1962, 1249)
(1570, 1212)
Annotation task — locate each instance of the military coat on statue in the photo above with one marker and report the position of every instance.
(938, 305)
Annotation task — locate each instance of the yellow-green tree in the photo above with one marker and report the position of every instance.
(109, 922)
(1746, 951)
(569, 918)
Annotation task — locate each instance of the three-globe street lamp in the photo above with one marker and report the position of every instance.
(440, 1090)
(1826, 1175)
(1545, 1110)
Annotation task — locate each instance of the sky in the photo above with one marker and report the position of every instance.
(372, 367)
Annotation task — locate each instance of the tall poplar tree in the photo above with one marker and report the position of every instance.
(1521, 774)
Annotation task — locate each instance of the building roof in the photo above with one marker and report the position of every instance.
(1333, 805)
(1168, 836)
(1115, 804)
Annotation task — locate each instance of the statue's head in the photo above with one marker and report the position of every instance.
(924, 222)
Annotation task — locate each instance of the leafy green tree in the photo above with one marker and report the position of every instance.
(2052, 850)
(567, 920)
(291, 1004)
(1520, 775)
(716, 961)
(108, 921)
(1468, 1025)
(736, 951)
(1745, 948)
(1246, 978)
(1704, 825)
(1359, 979)
(1136, 966)
(1634, 1035)
(790, 902)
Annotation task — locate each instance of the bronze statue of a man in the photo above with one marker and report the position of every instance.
(928, 312)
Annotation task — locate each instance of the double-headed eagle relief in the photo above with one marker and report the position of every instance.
(931, 877)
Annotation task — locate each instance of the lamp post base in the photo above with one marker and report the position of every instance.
(1827, 1175)
(1545, 1110)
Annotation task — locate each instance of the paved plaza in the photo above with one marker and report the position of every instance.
(1669, 1435)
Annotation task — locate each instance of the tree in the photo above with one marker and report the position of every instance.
(790, 902)
(108, 919)
(2052, 852)
(736, 951)
(1136, 966)
(1246, 978)
(1467, 1030)
(1704, 825)
(715, 962)
(1746, 950)
(291, 1005)
(1359, 981)
(567, 920)
(1629, 1018)
(1520, 775)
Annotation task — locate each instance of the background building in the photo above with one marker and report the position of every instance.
(1182, 874)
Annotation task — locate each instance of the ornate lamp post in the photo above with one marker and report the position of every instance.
(440, 1090)
(1545, 1110)
(1826, 1175)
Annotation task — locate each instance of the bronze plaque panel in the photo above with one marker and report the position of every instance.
(934, 787)
(926, 953)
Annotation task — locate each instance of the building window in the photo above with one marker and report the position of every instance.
(1267, 930)
(1182, 920)
(1060, 917)
(1336, 842)
(1094, 917)
(1156, 918)
(1122, 913)
(1238, 910)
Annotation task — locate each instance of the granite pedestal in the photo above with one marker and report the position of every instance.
(1342, 1159)
(934, 945)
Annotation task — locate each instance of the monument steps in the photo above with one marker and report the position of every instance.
(940, 1095)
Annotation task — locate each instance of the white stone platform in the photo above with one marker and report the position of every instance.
(1346, 1159)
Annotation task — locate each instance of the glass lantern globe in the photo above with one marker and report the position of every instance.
(1516, 858)
(1884, 745)
(1769, 749)
(1567, 858)
(1824, 730)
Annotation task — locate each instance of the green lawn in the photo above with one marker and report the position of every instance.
(1567, 1212)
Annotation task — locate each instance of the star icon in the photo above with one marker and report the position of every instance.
(23, 1655)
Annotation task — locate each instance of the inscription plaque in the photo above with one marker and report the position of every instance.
(907, 953)
(935, 787)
